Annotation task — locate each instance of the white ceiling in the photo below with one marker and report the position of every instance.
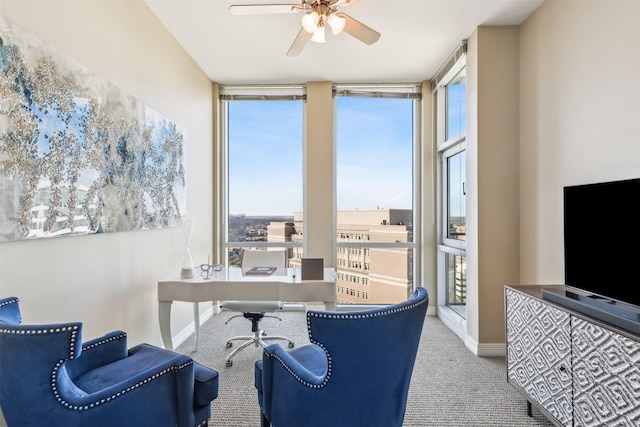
(417, 37)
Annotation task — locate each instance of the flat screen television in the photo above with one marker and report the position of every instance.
(602, 248)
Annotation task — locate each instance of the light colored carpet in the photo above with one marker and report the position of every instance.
(450, 385)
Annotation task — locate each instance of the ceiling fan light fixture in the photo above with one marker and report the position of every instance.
(318, 35)
(316, 15)
(336, 23)
(310, 22)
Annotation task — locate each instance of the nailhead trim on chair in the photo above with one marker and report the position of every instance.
(330, 315)
(115, 395)
(95, 344)
(73, 329)
(306, 383)
(11, 301)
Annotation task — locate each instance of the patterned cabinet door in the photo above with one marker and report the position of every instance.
(606, 370)
(539, 353)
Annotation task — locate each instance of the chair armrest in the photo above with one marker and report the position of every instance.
(143, 368)
(99, 352)
(290, 376)
(308, 364)
(111, 346)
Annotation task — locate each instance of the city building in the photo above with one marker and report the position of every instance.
(364, 275)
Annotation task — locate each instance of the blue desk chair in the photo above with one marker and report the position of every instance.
(356, 371)
(48, 377)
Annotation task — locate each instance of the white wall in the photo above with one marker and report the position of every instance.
(579, 116)
(109, 281)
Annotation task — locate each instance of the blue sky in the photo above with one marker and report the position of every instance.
(374, 155)
(265, 157)
(456, 124)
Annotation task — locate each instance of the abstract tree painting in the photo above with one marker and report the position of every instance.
(77, 155)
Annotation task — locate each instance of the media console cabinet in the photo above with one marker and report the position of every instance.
(579, 371)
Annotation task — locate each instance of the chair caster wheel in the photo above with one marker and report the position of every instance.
(229, 344)
(291, 344)
(229, 363)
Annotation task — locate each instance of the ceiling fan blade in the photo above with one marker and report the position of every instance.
(299, 43)
(263, 9)
(342, 3)
(358, 30)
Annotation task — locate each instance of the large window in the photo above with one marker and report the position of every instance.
(263, 152)
(376, 192)
(451, 136)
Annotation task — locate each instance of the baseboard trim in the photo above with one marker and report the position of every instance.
(190, 329)
(453, 321)
(458, 325)
(487, 349)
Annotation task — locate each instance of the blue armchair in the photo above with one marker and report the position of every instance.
(356, 371)
(47, 377)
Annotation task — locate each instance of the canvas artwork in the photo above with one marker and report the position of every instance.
(77, 155)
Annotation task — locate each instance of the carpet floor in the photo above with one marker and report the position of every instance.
(450, 386)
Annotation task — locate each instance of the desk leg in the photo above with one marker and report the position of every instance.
(164, 315)
(196, 321)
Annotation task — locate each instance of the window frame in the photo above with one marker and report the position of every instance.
(456, 147)
(239, 94)
(446, 148)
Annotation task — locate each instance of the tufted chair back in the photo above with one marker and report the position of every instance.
(356, 371)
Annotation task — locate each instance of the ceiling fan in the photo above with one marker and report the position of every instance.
(317, 13)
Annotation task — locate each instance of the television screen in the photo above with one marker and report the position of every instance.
(602, 239)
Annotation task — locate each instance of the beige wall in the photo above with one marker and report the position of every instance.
(109, 281)
(492, 182)
(553, 102)
(319, 160)
(579, 116)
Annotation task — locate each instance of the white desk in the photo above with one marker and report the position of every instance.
(232, 284)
